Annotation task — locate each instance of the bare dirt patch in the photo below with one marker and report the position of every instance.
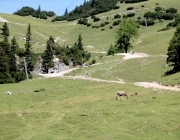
(132, 56)
(3, 20)
(156, 86)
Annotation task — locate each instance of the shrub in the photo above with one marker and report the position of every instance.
(93, 61)
(96, 19)
(116, 7)
(149, 22)
(130, 14)
(125, 16)
(130, 8)
(88, 24)
(117, 16)
(112, 50)
(171, 10)
(117, 22)
(158, 8)
(95, 26)
(83, 21)
(103, 24)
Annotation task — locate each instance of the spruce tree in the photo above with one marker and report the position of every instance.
(173, 58)
(5, 56)
(79, 43)
(29, 54)
(5, 76)
(39, 11)
(5, 31)
(13, 59)
(47, 56)
(66, 12)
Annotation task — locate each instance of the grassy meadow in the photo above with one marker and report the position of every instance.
(76, 109)
(66, 109)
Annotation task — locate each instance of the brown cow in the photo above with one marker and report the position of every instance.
(121, 93)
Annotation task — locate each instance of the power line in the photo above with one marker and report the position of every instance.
(72, 4)
(30, 1)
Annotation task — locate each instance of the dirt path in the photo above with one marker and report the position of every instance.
(126, 56)
(156, 86)
(3, 20)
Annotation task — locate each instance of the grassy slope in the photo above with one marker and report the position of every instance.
(77, 109)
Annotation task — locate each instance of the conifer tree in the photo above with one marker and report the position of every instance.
(47, 56)
(13, 60)
(39, 11)
(29, 54)
(79, 43)
(5, 76)
(173, 58)
(5, 31)
(66, 12)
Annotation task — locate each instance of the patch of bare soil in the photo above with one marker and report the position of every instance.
(93, 79)
(3, 20)
(132, 56)
(157, 86)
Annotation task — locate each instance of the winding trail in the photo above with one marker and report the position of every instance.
(126, 56)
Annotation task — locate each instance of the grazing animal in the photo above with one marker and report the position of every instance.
(8, 92)
(121, 93)
(134, 94)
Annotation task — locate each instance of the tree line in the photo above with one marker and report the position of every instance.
(29, 11)
(13, 58)
(89, 8)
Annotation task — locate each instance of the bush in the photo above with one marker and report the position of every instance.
(95, 26)
(83, 21)
(117, 16)
(149, 22)
(116, 7)
(171, 10)
(112, 50)
(103, 24)
(93, 61)
(110, 27)
(117, 22)
(157, 9)
(130, 14)
(96, 19)
(130, 8)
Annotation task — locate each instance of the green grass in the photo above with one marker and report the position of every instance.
(76, 109)
(62, 109)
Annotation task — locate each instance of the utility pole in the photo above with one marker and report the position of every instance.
(146, 25)
(25, 66)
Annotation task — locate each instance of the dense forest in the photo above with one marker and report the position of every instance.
(92, 7)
